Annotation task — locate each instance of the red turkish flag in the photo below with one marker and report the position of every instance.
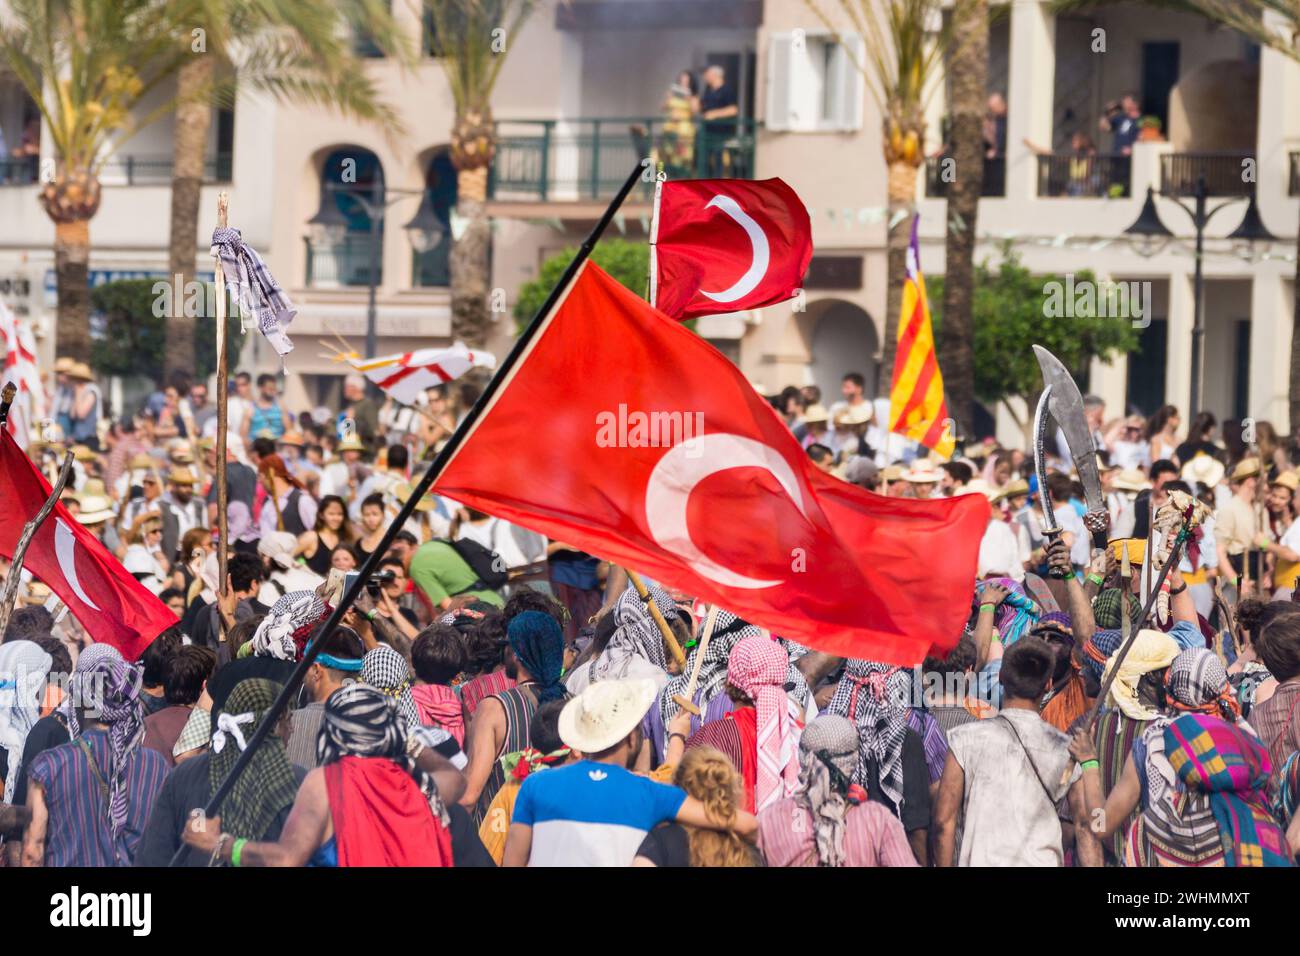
(623, 433)
(110, 603)
(726, 245)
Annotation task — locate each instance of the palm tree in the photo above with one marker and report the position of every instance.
(295, 50)
(905, 43)
(472, 38)
(967, 80)
(87, 64)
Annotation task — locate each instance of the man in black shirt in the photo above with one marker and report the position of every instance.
(717, 105)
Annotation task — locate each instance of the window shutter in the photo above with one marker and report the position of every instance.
(852, 57)
(779, 81)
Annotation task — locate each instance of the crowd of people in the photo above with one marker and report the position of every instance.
(495, 698)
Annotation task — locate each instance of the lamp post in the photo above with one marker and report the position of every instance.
(330, 225)
(1148, 235)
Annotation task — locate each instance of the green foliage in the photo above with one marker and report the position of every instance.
(1010, 313)
(628, 262)
(131, 336)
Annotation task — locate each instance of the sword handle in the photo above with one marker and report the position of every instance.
(1059, 574)
(1098, 524)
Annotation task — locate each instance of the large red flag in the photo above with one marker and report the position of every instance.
(725, 245)
(623, 433)
(110, 603)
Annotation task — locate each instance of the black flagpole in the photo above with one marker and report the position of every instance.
(419, 491)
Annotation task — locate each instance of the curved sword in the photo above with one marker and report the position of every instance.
(1050, 525)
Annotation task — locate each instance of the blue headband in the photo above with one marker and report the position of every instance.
(337, 663)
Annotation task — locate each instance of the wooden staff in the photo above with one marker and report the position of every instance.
(223, 369)
(10, 594)
(687, 700)
(1126, 581)
(670, 641)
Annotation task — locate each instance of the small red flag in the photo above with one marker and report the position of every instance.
(110, 603)
(655, 452)
(726, 245)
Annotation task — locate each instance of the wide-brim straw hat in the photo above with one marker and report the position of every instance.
(141, 462)
(95, 509)
(605, 712)
(81, 371)
(82, 453)
(922, 472)
(402, 492)
(1246, 468)
(182, 476)
(1287, 479)
(858, 414)
(351, 443)
(1203, 469)
(815, 413)
(1131, 479)
(1012, 489)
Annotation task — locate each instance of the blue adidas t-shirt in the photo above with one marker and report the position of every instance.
(592, 814)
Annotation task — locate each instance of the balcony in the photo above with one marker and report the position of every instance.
(149, 170)
(993, 186)
(342, 263)
(1093, 176)
(432, 268)
(1223, 172)
(568, 160)
(1293, 179)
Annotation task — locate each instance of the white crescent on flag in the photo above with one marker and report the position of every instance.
(406, 376)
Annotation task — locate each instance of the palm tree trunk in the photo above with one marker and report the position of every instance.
(71, 257)
(189, 144)
(967, 72)
(901, 191)
(469, 260)
(1295, 346)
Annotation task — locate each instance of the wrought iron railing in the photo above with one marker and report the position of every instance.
(590, 158)
(345, 262)
(1226, 173)
(938, 175)
(1094, 175)
(432, 267)
(131, 170)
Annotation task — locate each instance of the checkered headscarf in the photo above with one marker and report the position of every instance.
(757, 665)
(637, 635)
(256, 290)
(283, 633)
(387, 672)
(874, 696)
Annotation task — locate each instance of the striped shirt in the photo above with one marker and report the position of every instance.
(1277, 721)
(872, 836)
(77, 833)
(473, 691)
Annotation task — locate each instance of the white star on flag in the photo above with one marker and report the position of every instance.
(406, 376)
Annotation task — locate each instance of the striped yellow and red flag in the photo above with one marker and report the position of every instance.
(916, 405)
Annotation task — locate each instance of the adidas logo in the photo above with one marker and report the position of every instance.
(597, 775)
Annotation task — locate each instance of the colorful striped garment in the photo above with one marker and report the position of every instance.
(1232, 766)
(77, 831)
(933, 738)
(1114, 736)
(872, 836)
(475, 690)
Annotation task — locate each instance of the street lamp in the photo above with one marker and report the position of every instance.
(1148, 235)
(330, 225)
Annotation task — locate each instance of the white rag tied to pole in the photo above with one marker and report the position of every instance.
(255, 289)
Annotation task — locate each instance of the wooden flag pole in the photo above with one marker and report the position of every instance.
(687, 700)
(422, 487)
(670, 640)
(10, 594)
(223, 378)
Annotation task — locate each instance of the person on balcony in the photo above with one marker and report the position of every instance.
(1121, 120)
(718, 104)
(681, 106)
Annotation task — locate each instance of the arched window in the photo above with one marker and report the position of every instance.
(430, 266)
(339, 248)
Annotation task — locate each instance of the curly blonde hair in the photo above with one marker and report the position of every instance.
(708, 776)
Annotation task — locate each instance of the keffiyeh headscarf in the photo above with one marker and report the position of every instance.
(284, 632)
(360, 721)
(267, 785)
(874, 696)
(828, 754)
(196, 733)
(24, 666)
(387, 672)
(635, 636)
(1198, 683)
(757, 666)
(728, 630)
(1098, 649)
(86, 660)
(537, 641)
(1151, 651)
(1106, 609)
(258, 294)
(109, 689)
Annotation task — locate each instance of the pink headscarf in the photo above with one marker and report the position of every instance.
(758, 666)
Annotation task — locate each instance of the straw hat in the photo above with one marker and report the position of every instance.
(922, 472)
(292, 438)
(816, 412)
(1204, 470)
(1131, 479)
(82, 453)
(402, 492)
(605, 712)
(182, 476)
(351, 443)
(1012, 489)
(81, 372)
(96, 506)
(140, 462)
(1246, 468)
(63, 364)
(892, 473)
(182, 452)
(1287, 479)
(858, 414)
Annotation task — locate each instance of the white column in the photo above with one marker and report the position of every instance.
(1178, 356)
(1030, 91)
(1270, 347)
(1109, 381)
